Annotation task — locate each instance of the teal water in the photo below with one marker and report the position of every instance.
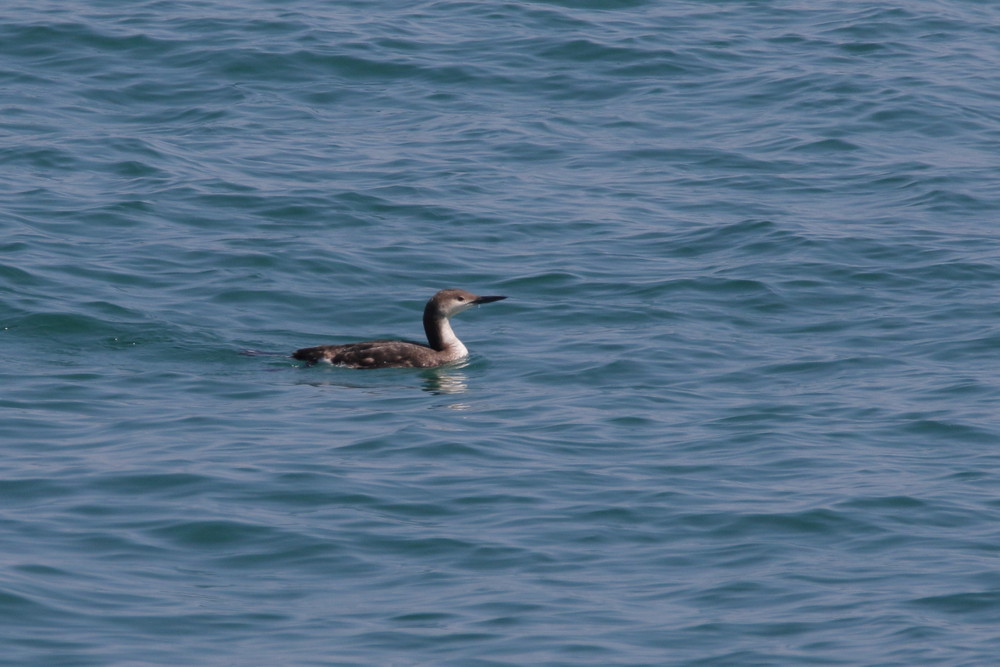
(740, 408)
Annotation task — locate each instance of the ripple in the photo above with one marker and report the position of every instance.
(740, 408)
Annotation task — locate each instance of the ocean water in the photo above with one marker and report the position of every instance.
(741, 407)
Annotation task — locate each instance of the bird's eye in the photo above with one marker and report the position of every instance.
(460, 298)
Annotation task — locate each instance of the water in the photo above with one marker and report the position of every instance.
(740, 407)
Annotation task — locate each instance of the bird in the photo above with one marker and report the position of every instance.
(442, 347)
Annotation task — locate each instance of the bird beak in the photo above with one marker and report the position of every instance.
(487, 299)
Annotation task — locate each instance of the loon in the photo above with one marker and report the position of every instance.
(443, 346)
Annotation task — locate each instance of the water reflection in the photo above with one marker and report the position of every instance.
(445, 380)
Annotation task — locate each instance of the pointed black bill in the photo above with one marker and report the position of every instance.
(488, 299)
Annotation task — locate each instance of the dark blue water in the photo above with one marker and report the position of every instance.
(740, 408)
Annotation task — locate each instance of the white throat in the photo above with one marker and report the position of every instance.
(453, 346)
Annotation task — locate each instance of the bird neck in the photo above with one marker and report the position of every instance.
(438, 329)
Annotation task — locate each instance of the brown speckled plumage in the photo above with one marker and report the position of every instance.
(443, 346)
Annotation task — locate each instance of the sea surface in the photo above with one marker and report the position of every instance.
(741, 407)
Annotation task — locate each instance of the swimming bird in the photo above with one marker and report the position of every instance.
(443, 346)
